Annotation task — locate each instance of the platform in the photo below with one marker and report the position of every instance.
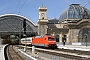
(2, 52)
(71, 47)
(74, 47)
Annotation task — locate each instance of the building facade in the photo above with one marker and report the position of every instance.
(74, 24)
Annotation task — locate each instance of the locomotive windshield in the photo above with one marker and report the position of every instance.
(50, 38)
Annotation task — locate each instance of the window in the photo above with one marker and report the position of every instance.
(42, 17)
(50, 38)
(42, 14)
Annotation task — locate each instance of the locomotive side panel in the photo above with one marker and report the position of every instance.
(45, 41)
(38, 41)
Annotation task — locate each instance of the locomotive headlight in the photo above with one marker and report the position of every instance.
(53, 41)
(49, 41)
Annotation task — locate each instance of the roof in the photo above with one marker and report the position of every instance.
(75, 11)
(14, 23)
(53, 21)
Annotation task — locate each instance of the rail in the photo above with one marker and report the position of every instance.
(72, 54)
(12, 54)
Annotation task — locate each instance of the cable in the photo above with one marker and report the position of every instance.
(22, 6)
(79, 1)
(17, 5)
(86, 4)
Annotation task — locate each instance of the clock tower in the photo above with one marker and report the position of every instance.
(42, 22)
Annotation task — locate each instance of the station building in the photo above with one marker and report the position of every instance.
(16, 26)
(74, 24)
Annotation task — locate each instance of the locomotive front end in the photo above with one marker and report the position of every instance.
(52, 42)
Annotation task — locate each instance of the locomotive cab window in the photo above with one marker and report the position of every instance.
(50, 38)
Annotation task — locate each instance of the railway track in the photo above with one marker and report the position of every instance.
(64, 54)
(72, 54)
(12, 54)
(74, 51)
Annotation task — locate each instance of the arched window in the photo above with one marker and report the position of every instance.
(84, 35)
(42, 17)
(57, 38)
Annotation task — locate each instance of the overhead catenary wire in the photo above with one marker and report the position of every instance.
(79, 1)
(17, 5)
(86, 4)
(22, 7)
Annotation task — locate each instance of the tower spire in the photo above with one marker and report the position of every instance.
(42, 3)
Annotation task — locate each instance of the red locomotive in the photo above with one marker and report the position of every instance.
(44, 41)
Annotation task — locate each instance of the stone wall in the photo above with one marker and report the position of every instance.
(73, 35)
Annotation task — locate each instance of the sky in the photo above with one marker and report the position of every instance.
(29, 8)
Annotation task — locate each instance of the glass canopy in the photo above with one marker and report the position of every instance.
(75, 11)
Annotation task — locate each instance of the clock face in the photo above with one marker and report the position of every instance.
(42, 14)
